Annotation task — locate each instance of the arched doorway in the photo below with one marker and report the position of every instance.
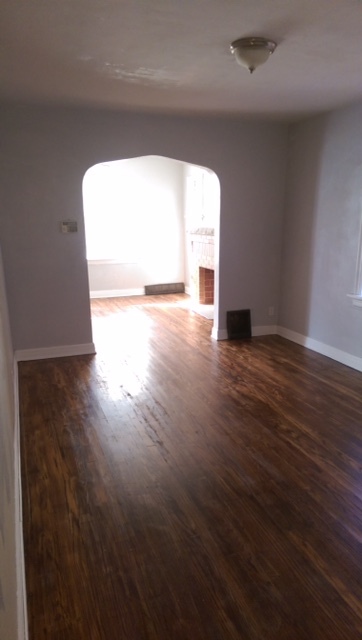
(144, 219)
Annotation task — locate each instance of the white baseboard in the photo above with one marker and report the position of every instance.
(22, 616)
(267, 330)
(324, 349)
(55, 352)
(320, 347)
(219, 334)
(116, 293)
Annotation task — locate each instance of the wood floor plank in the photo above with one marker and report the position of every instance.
(179, 488)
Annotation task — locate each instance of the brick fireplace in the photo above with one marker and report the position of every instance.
(202, 270)
(206, 286)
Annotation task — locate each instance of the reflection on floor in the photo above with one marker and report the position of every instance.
(205, 310)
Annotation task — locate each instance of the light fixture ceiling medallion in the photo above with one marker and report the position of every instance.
(252, 52)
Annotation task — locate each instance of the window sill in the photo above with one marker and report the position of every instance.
(356, 299)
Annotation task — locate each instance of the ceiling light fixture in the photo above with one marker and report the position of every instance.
(252, 52)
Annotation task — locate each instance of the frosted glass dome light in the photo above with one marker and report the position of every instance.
(252, 52)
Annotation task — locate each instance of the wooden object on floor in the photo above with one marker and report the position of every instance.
(178, 488)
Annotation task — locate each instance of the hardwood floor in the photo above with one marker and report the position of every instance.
(178, 488)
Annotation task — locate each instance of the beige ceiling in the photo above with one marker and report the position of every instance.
(173, 55)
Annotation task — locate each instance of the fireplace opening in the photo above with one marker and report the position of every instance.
(202, 273)
(206, 286)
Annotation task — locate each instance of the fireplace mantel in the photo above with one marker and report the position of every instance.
(202, 246)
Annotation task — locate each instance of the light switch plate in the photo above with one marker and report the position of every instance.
(69, 226)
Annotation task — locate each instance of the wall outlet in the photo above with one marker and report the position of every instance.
(271, 311)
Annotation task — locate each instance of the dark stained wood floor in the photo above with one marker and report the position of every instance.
(178, 488)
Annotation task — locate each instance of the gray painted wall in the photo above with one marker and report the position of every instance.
(45, 154)
(321, 231)
(8, 586)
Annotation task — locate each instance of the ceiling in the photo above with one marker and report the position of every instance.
(173, 55)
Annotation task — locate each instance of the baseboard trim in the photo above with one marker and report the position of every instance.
(55, 352)
(117, 293)
(219, 334)
(267, 330)
(320, 347)
(22, 616)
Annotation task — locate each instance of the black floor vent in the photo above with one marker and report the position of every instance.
(238, 324)
(160, 289)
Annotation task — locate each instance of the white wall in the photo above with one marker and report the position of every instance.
(322, 227)
(45, 154)
(8, 516)
(157, 210)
